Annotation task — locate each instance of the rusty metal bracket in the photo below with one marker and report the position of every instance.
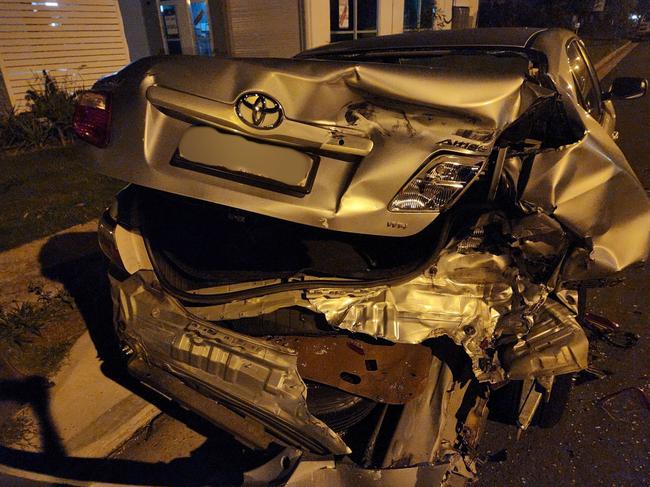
(390, 374)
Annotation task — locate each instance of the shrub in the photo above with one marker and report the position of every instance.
(46, 120)
(23, 130)
(54, 104)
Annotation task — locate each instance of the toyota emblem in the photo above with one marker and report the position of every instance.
(259, 110)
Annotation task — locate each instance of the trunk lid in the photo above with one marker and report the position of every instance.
(334, 141)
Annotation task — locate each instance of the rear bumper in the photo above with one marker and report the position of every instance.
(217, 370)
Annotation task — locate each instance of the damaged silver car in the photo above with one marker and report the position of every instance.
(346, 252)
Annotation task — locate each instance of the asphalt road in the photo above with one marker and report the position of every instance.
(588, 447)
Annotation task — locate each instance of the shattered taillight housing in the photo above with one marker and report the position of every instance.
(92, 117)
(438, 184)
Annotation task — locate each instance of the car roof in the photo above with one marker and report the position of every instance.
(498, 37)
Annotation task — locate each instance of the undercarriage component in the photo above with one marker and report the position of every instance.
(247, 430)
(556, 344)
(250, 376)
(419, 433)
(338, 409)
(531, 398)
(386, 373)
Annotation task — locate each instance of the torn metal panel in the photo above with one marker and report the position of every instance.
(488, 283)
(419, 435)
(529, 402)
(391, 374)
(590, 188)
(246, 429)
(252, 376)
(556, 344)
(463, 296)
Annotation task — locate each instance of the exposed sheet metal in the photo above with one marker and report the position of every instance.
(493, 282)
(253, 376)
(246, 429)
(427, 431)
(556, 344)
(462, 296)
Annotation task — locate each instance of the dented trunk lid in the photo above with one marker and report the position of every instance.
(349, 137)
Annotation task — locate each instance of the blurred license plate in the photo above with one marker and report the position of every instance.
(234, 157)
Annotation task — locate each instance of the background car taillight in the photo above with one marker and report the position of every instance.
(92, 117)
(439, 184)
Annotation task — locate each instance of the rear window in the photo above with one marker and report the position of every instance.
(466, 61)
(446, 60)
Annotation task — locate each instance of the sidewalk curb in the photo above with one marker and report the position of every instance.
(92, 414)
(132, 414)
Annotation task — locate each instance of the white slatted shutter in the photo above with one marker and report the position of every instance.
(75, 41)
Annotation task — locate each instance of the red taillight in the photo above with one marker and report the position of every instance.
(92, 117)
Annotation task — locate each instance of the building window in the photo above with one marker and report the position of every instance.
(419, 14)
(352, 19)
(426, 15)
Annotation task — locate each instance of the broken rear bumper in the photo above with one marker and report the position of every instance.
(179, 354)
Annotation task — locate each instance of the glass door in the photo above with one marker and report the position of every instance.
(201, 27)
(185, 27)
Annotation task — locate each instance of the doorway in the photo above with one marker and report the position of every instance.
(185, 27)
(460, 18)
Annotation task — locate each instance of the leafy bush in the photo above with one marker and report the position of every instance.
(23, 130)
(47, 119)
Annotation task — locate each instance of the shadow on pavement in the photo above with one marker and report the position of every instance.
(74, 470)
(34, 391)
(84, 277)
(220, 460)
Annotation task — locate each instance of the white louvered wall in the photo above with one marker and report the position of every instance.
(77, 41)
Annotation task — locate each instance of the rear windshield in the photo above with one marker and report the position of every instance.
(446, 59)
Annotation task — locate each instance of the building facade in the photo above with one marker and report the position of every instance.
(74, 42)
(77, 42)
(282, 28)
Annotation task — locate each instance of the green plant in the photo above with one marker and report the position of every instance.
(23, 130)
(19, 324)
(54, 104)
(48, 116)
(23, 321)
